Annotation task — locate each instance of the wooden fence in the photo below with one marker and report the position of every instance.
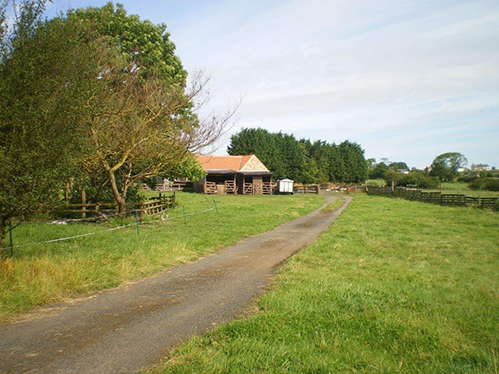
(306, 188)
(97, 211)
(436, 197)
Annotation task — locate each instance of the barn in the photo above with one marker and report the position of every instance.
(245, 175)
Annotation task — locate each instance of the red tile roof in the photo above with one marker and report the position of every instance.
(235, 163)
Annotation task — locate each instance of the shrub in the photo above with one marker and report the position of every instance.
(419, 179)
(485, 184)
(491, 184)
(467, 178)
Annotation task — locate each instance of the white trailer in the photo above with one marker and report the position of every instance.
(285, 186)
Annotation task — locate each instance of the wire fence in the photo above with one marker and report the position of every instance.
(136, 223)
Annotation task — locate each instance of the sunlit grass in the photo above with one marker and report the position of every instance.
(393, 286)
(38, 274)
(462, 188)
(334, 205)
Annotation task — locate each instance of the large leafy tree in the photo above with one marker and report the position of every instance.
(141, 117)
(446, 166)
(42, 92)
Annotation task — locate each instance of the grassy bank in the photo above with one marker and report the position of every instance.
(393, 286)
(38, 274)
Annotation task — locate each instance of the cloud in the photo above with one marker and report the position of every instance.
(406, 79)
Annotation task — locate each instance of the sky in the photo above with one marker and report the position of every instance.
(407, 80)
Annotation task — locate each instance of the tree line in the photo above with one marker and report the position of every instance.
(302, 160)
(93, 99)
(444, 168)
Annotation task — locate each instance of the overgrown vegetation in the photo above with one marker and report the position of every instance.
(38, 274)
(93, 99)
(393, 286)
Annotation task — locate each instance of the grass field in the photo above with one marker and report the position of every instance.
(376, 182)
(462, 188)
(38, 274)
(334, 205)
(393, 286)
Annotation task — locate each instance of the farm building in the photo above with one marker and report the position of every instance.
(245, 175)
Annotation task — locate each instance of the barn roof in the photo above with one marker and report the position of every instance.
(245, 164)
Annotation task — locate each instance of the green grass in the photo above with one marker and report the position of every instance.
(394, 286)
(38, 274)
(334, 205)
(376, 182)
(462, 188)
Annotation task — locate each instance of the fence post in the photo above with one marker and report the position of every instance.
(83, 201)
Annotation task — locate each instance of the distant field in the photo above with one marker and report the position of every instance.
(38, 274)
(376, 182)
(462, 188)
(447, 187)
(393, 286)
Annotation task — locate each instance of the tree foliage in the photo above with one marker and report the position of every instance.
(378, 171)
(42, 93)
(94, 99)
(398, 166)
(302, 160)
(446, 165)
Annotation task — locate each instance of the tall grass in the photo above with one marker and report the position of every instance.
(38, 274)
(393, 286)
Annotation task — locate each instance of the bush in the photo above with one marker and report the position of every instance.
(491, 184)
(476, 185)
(485, 184)
(419, 179)
(467, 178)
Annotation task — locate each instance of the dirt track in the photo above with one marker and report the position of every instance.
(130, 327)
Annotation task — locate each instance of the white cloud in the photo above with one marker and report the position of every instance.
(407, 79)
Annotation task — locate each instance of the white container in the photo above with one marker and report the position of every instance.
(285, 186)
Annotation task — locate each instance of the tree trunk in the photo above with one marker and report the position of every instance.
(120, 200)
(4, 222)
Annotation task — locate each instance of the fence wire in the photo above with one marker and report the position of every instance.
(161, 219)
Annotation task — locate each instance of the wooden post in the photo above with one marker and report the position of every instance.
(83, 201)
(393, 185)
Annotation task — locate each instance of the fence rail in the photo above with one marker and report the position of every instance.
(436, 197)
(306, 188)
(96, 211)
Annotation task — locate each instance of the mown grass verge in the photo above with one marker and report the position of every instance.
(393, 286)
(38, 274)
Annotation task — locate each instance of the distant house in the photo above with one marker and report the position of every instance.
(480, 167)
(245, 175)
(404, 171)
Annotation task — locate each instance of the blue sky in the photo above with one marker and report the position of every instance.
(408, 80)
